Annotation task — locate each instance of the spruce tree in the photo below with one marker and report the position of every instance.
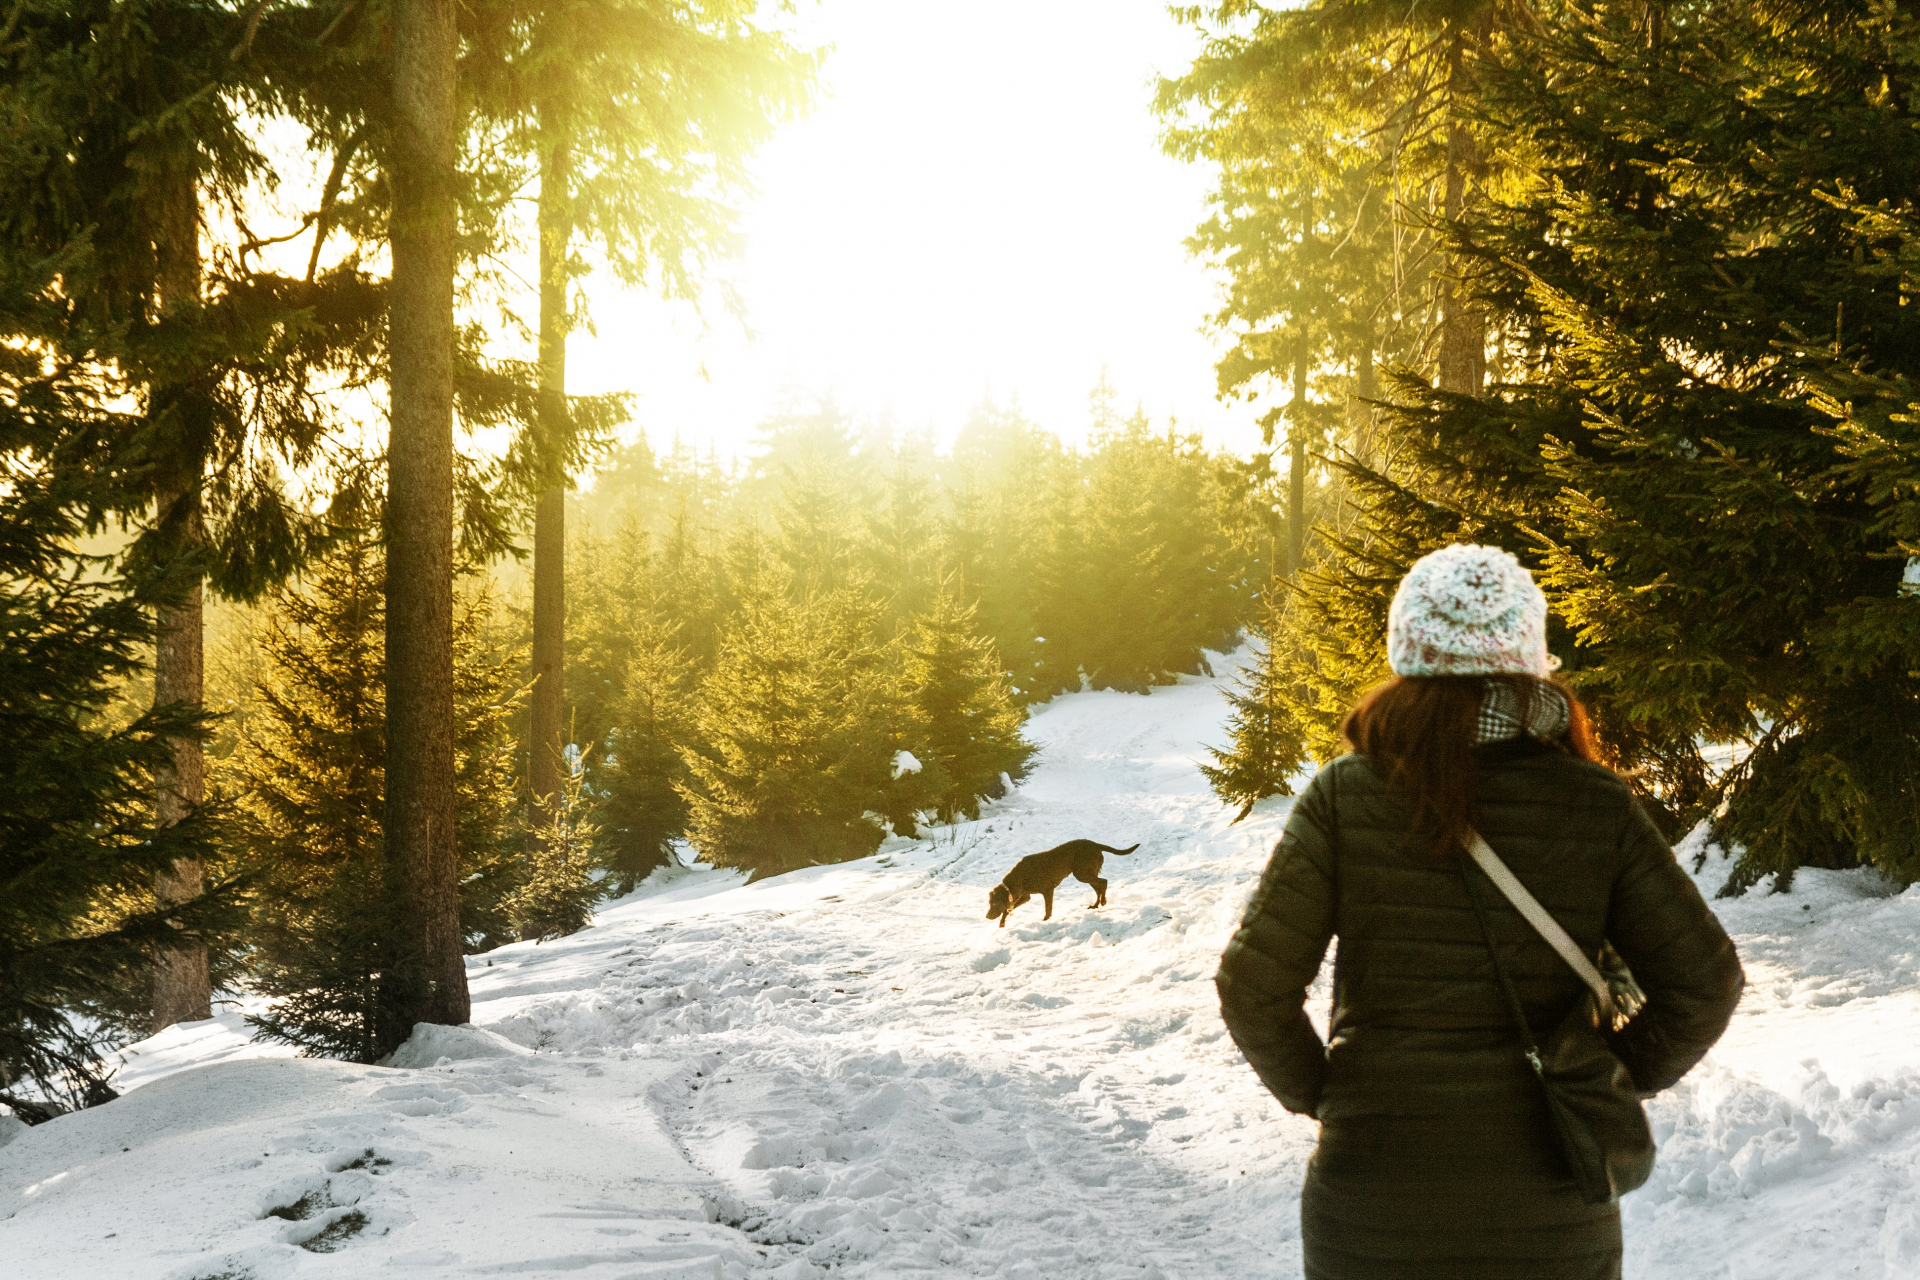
(1698, 443)
(644, 811)
(818, 537)
(692, 589)
(783, 765)
(965, 720)
(1266, 743)
(558, 887)
(1062, 597)
(638, 116)
(993, 534)
(615, 572)
(134, 134)
(309, 780)
(1120, 638)
(77, 815)
(899, 548)
(1348, 136)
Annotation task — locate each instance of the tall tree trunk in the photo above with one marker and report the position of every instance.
(1360, 411)
(1463, 325)
(1297, 428)
(550, 512)
(1297, 468)
(182, 989)
(420, 797)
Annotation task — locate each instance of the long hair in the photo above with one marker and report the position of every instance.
(1418, 730)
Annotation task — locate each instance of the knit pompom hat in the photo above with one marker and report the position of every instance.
(1468, 611)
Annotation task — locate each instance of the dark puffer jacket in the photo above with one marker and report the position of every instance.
(1435, 1158)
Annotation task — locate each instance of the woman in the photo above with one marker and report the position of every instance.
(1436, 1157)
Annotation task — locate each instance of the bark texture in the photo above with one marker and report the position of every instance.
(182, 988)
(1360, 410)
(1463, 323)
(1297, 469)
(1297, 434)
(550, 513)
(420, 792)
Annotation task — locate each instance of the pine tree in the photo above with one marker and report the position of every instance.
(965, 719)
(783, 766)
(1120, 639)
(310, 782)
(692, 586)
(899, 548)
(134, 139)
(77, 824)
(422, 162)
(558, 889)
(1349, 136)
(818, 537)
(616, 576)
(1696, 446)
(1061, 596)
(993, 534)
(1267, 745)
(644, 811)
(639, 116)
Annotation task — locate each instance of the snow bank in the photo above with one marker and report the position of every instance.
(859, 1075)
(296, 1167)
(436, 1046)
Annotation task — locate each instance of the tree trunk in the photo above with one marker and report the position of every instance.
(1360, 411)
(1297, 468)
(182, 989)
(1463, 325)
(550, 513)
(420, 797)
(1297, 428)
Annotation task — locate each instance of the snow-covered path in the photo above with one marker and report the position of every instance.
(893, 1084)
(857, 1074)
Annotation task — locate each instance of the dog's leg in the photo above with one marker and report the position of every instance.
(1048, 896)
(1100, 893)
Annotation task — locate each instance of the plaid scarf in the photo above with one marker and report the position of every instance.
(1507, 713)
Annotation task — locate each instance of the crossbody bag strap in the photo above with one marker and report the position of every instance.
(1536, 915)
(1514, 1006)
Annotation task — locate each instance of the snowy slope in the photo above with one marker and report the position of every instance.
(853, 1072)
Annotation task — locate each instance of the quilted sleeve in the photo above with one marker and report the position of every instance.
(1276, 952)
(1683, 959)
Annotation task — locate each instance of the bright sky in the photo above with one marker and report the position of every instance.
(978, 203)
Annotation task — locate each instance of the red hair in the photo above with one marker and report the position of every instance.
(1418, 730)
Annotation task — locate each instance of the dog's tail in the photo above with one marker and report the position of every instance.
(1107, 848)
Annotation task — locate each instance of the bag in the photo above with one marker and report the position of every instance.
(1596, 1113)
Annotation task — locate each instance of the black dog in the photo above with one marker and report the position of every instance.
(1042, 873)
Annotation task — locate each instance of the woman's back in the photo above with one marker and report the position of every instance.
(1419, 1024)
(1427, 1104)
(1437, 1157)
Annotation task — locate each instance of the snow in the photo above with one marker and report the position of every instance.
(851, 1071)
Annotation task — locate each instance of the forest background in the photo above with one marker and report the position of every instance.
(1622, 288)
